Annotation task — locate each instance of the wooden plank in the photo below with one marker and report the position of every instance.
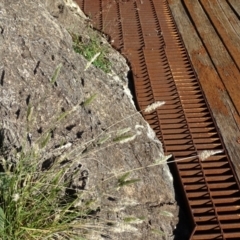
(221, 59)
(232, 15)
(224, 112)
(235, 4)
(217, 12)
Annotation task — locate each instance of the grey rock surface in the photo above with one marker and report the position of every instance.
(34, 41)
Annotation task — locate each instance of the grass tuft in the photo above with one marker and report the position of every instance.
(93, 50)
(34, 203)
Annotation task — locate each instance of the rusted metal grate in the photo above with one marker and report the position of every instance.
(145, 32)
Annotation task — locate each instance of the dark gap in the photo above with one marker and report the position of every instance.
(61, 8)
(82, 82)
(132, 88)
(52, 133)
(47, 164)
(40, 130)
(18, 113)
(2, 77)
(79, 134)
(70, 127)
(28, 99)
(35, 70)
(184, 227)
(112, 199)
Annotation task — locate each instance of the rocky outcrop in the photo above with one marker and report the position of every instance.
(45, 90)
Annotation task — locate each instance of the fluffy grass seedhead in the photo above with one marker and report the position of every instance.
(152, 107)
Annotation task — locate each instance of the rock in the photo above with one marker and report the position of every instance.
(36, 48)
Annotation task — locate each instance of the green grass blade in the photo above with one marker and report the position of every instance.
(2, 220)
(56, 73)
(89, 100)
